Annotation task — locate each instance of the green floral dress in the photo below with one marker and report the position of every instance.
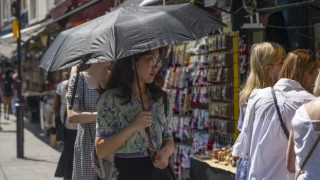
(113, 116)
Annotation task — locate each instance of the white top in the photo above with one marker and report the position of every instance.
(304, 136)
(62, 89)
(263, 139)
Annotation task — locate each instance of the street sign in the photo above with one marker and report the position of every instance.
(15, 28)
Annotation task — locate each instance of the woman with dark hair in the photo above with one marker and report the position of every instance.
(133, 129)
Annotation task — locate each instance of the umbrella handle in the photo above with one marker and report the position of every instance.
(75, 86)
(84, 59)
(135, 68)
(147, 129)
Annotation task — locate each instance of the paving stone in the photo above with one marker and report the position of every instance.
(40, 160)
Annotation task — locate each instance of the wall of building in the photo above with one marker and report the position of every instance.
(38, 10)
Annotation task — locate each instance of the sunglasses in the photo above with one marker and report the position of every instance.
(312, 56)
(153, 61)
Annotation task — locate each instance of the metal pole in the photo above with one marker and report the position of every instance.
(19, 105)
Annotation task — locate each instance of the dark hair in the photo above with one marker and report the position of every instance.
(122, 76)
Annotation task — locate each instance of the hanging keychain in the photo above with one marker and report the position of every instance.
(201, 120)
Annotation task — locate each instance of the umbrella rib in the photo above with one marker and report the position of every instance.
(54, 58)
(181, 24)
(114, 28)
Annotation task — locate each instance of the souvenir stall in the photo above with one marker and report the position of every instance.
(39, 86)
(203, 82)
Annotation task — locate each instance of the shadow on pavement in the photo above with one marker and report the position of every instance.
(39, 160)
(35, 129)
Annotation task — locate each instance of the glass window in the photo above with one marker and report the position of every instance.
(5, 10)
(32, 9)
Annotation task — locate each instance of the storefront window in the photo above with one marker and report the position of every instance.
(32, 9)
(57, 1)
(5, 11)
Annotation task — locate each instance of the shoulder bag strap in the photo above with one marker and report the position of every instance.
(74, 90)
(65, 117)
(283, 125)
(308, 157)
(165, 102)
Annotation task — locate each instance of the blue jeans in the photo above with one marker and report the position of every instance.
(242, 169)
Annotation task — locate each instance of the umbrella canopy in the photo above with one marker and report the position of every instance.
(128, 31)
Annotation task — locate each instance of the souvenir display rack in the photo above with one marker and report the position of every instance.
(203, 82)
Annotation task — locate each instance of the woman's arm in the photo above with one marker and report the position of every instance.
(291, 155)
(164, 153)
(80, 117)
(168, 146)
(106, 146)
(74, 115)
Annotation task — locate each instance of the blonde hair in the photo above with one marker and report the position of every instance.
(261, 55)
(298, 64)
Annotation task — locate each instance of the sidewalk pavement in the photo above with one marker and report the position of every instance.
(40, 160)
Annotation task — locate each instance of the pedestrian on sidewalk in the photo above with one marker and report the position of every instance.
(304, 139)
(122, 118)
(65, 164)
(269, 114)
(266, 60)
(15, 91)
(84, 112)
(7, 93)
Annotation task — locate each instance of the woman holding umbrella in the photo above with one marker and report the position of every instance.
(134, 118)
(84, 114)
(123, 128)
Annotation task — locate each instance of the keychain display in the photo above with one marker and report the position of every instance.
(200, 84)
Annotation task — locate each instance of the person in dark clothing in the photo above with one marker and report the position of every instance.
(7, 92)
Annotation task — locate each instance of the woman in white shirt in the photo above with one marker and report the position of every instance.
(266, 141)
(266, 60)
(304, 135)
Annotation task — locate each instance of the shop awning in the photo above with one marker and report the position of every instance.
(140, 3)
(8, 44)
(7, 50)
(26, 34)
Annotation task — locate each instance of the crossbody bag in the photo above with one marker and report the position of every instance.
(283, 125)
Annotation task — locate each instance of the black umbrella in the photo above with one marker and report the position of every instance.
(128, 31)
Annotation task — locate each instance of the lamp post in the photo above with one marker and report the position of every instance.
(16, 11)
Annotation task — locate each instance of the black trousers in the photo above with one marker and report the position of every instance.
(140, 169)
(65, 164)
